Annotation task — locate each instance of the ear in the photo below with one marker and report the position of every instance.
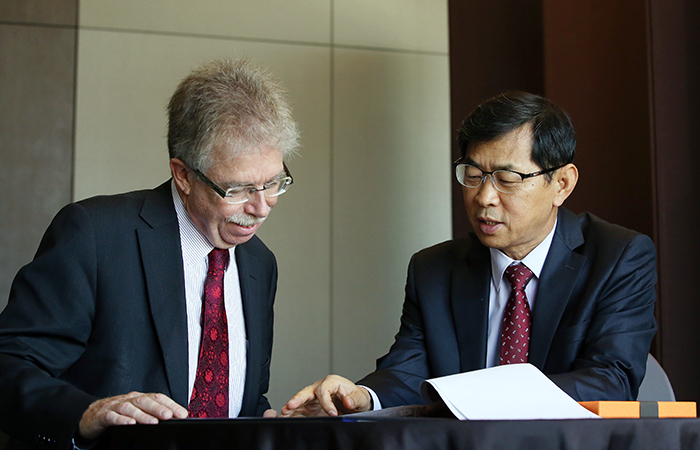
(180, 174)
(564, 182)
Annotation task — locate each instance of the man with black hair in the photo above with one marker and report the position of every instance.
(572, 295)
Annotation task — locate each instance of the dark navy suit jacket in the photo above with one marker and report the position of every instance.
(592, 324)
(100, 311)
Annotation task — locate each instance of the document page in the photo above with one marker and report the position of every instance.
(508, 392)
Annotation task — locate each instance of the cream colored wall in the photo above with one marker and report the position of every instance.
(368, 81)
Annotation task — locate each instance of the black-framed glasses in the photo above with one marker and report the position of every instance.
(244, 192)
(506, 181)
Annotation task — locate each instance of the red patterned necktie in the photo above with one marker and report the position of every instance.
(210, 393)
(515, 331)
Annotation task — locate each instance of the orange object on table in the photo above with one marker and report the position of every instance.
(635, 410)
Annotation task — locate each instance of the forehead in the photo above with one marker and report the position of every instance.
(254, 165)
(510, 151)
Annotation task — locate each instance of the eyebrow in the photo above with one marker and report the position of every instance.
(507, 166)
(233, 185)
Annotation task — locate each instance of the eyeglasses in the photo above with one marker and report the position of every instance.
(506, 181)
(242, 193)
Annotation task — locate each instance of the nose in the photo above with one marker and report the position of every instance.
(259, 205)
(487, 194)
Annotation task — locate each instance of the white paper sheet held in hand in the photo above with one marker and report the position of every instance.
(508, 392)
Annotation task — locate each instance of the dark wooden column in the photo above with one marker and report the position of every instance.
(596, 68)
(675, 72)
(494, 46)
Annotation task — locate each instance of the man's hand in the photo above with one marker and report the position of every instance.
(331, 396)
(128, 409)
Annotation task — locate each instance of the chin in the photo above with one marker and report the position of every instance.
(239, 240)
(489, 241)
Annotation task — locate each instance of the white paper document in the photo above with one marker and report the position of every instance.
(508, 392)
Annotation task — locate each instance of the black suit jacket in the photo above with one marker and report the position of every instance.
(100, 311)
(592, 323)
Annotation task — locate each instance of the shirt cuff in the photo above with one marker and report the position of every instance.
(376, 404)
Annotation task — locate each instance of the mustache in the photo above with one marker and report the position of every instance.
(245, 220)
(485, 214)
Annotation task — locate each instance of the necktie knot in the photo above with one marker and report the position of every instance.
(218, 260)
(518, 275)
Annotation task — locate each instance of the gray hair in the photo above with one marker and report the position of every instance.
(228, 103)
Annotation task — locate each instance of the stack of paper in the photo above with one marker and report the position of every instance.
(508, 392)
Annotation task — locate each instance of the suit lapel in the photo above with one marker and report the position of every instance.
(559, 274)
(470, 305)
(161, 255)
(251, 296)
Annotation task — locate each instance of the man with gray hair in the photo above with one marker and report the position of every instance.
(157, 304)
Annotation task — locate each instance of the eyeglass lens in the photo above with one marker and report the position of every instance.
(504, 180)
(244, 193)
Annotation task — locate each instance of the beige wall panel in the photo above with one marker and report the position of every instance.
(125, 81)
(396, 24)
(391, 191)
(300, 20)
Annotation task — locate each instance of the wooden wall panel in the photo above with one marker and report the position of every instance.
(596, 68)
(494, 46)
(675, 58)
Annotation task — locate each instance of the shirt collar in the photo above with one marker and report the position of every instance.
(193, 241)
(534, 260)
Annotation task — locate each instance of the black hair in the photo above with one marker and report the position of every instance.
(554, 138)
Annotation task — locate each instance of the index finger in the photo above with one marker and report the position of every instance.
(299, 399)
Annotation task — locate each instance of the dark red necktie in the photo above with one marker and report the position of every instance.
(515, 330)
(210, 393)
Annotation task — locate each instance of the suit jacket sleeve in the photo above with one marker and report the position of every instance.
(430, 342)
(400, 372)
(44, 329)
(445, 282)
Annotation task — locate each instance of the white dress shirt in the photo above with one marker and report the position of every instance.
(195, 251)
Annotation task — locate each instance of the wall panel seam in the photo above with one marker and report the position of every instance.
(264, 40)
(331, 143)
(38, 25)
